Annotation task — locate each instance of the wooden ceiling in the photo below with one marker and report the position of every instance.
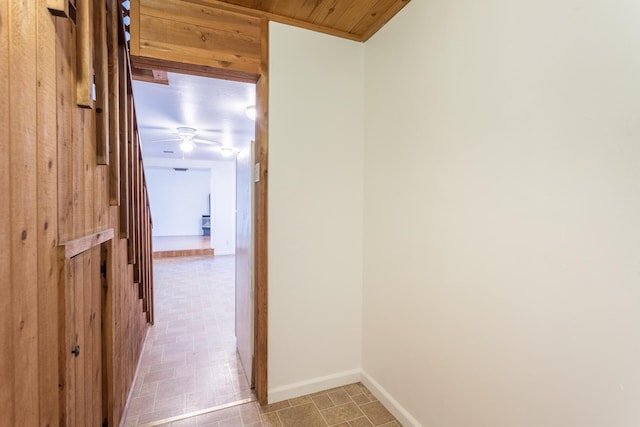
(352, 19)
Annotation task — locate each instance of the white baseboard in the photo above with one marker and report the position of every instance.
(398, 411)
(222, 253)
(313, 385)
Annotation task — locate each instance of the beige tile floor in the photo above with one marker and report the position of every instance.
(190, 364)
(189, 361)
(349, 406)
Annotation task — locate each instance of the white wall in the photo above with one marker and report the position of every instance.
(223, 207)
(167, 191)
(315, 210)
(178, 200)
(502, 209)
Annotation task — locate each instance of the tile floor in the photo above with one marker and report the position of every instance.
(190, 362)
(349, 406)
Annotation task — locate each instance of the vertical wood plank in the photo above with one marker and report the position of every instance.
(131, 133)
(101, 81)
(260, 224)
(96, 327)
(123, 111)
(113, 101)
(47, 172)
(89, 169)
(134, 27)
(7, 407)
(86, 356)
(22, 198)
(84, 46)
(100, 185)
(67, 336)
(106, 288)
(139, 219)
(77, 169)
(64, 146)
(78, 363)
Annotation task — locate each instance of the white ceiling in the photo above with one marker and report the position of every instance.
(215, 108)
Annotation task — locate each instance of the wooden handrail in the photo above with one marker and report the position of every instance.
(78, 246)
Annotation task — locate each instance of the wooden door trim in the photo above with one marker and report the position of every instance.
(260, 240)
(261, 221)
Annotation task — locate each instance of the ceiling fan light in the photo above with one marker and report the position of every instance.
(251, 112)
(186, 146)
(226, 151)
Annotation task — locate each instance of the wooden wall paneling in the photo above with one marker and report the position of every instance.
(113, 101)
(101, 189)
(261, 221)
(96, 329)
(58, 7)
(137, 268)
(84, 43)
(80, 328)
(108, 321)
(123, 112)
(78, 246)
(142, 254)
(197, 34)
(79, 173)
(76, 363)
(22, 134)
(65, 56)
(90, 203)
(67, 339)
(134, 26)
(119, 343)
(48, 265)
(131, 174)
(7, 404)
(101, 70)
(149, 255)
(86, 354)
(93, 338)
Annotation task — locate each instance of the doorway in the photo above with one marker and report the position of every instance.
(194, 293)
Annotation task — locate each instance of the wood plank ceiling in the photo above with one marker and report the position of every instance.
(352, 19)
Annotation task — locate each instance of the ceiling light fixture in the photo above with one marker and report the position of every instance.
(186, 146)
(251, 112)
(226, 151)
